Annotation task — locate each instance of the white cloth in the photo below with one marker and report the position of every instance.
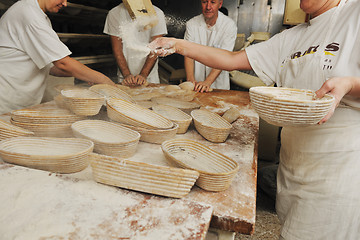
(221, 35)
(119, 17)
(318, 178)
(28, 46)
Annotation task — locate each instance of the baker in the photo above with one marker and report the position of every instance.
(134, 68)
(211, 28)
(318, 182)
(30, 50)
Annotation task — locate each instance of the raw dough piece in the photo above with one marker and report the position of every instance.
(231, 115)
(187, 86)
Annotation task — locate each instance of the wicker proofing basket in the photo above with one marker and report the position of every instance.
(111, 91)
(211, 126)
(132, 114)
(45, 116)
(144, 177)
(216, 170)
(156, 136)
(176, 115)
(109, 138)
(46, 130)
(61, 155)
(288, 106)
(185, 106)
(83, 101)
(8, 130)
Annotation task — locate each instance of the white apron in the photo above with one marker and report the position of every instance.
(319, 172)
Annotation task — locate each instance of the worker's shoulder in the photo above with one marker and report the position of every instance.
(119, 9)
(226, 20)
(195, 20)
(23, 12)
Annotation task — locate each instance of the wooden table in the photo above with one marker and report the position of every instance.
(85, 209)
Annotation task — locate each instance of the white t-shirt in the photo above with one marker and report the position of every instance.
(28, 46)
(342, 56)
(118, 18)
(221, 35)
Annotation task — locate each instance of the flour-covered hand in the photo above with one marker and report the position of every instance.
(163, 46)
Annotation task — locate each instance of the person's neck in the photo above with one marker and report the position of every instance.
(42, 4)
(211, 21)
(329, 5)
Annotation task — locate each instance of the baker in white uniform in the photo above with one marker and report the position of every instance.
(135, 67)
(318, 179)
(30, 50)
(211, 28)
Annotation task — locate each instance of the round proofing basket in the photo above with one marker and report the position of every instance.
(176, 115)
(156, 136)
(289, 106)
(8, 130)
(144, 177)
(111, 91)
(135, 115)
(216, 170)
(61, 155)
(83, 101)
(46, 130)
(211, 126)
(109, 138)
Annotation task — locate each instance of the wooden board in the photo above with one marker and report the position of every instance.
(142, 10)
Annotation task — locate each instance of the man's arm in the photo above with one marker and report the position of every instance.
(189, 69)
(117, 47)
(70, 67)
(148, 66)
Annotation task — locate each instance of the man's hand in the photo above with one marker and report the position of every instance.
(129, 80)
(202, 87)
(140, 80)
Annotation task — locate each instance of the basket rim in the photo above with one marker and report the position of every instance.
(109, 104)
(89, 148)
(233, 171)
(83, 122)
(328, 98)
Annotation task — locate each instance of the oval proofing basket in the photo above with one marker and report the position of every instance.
(7, 130)
(216, 170)
(132, 114)
(109, 138)
(211, 126)
(61, 155)
(160, 180)
(83, 101)
(176, 115)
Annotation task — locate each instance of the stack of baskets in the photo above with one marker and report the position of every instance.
(176, 115)
(153, 127)
(289, 106)
(8, 130)
(45, 122)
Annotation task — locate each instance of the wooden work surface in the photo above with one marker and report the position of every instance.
(147, 216)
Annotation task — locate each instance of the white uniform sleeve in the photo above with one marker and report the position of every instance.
(112, 24)
(189, 33)
(264, 59)
(42, 44)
